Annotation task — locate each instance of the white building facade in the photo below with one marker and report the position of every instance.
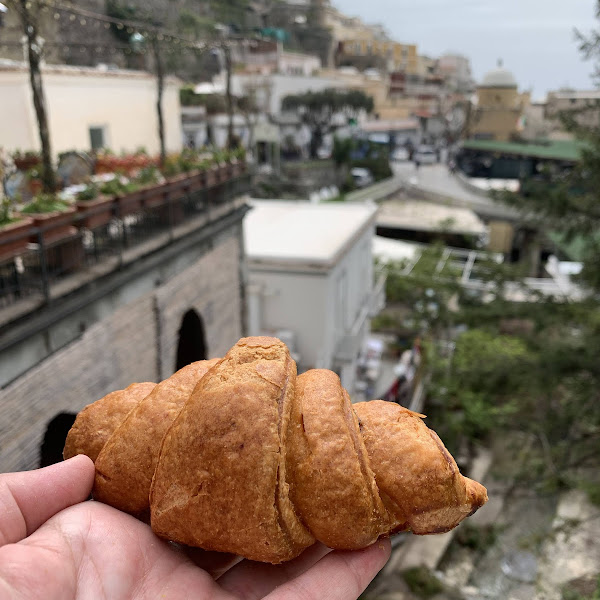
(88, 108)
(311, 280)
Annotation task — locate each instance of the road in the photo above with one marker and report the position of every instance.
(436, 183)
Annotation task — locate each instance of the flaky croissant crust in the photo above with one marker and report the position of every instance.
(241, 455)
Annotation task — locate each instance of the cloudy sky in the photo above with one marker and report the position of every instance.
(533, 37)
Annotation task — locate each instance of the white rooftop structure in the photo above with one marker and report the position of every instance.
(499, 78)
(388, 250)
(417, 215)
(467, 267)
(575, 94)
(311, 280)
(301, 233)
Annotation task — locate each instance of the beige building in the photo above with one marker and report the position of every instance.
(455, 69)
(499, 111)
(268, 56)
(88, 108)
(386, 54)
(417, 98)
(583, 103)
(426, 66)
(344, 27)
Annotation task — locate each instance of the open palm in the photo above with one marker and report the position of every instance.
(54, 545)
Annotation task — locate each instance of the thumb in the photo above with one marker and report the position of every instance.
(30, 498)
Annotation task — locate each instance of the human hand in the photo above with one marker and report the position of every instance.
(53, 545)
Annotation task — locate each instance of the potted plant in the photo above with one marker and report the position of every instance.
(104, 162)
(26, 160)
(53, 217)
(96, 209)
(211, 172)
(34, 180)
(127, 194)
(14, 230)
(177, 170)
(238, 161)
(151, 185)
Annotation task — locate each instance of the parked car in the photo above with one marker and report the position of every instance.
(361, 177)
(400, 154)
(324, 152)
(426, 155)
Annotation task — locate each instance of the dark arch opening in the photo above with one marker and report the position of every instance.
(51, 450)
(192, 341)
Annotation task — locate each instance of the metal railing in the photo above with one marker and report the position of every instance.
(35, 259)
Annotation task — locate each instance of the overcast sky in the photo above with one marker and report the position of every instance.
(533, 37)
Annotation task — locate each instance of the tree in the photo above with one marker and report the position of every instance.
(29, 12)
(150, 20)
(319, 109)
(524, 373)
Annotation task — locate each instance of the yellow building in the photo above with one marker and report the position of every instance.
(499, 111)
(394, 56)
(387, 106)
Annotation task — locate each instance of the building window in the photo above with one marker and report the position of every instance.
(97, 138)
(192, 340)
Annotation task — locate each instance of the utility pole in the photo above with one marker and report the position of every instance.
(228, 95)
(160, 85)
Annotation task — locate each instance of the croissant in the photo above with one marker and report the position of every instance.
(241, 455)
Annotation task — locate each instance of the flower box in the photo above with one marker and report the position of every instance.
(155, 195)
(97, 212)
(19, 230)
(130, 203)
(212, 176)
(197, 181)
(180, 185)
(54, 226)
(224, 173)
(24, 163)
(239, 168)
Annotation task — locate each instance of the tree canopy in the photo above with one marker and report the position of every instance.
(319, 110)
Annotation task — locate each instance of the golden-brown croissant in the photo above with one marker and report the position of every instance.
(239, 455)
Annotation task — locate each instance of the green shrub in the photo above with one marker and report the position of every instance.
(46, 203)
(148, 176)
(116, 187)
(89, 193)
(476, 538)
(422, 582)
(379, 167)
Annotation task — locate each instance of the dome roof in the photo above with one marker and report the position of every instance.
(499, 78)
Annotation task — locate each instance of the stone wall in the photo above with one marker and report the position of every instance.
(212, 288)
(135, 342)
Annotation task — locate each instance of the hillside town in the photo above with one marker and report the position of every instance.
(180, 175)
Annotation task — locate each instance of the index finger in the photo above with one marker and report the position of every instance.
(30, 498)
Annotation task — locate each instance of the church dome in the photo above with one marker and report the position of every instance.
(499, 78)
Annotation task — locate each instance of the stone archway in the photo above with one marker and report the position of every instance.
(51, 450)
(192, 340)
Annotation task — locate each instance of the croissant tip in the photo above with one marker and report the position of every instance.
(477, 495)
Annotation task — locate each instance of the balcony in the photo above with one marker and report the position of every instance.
(49, 258)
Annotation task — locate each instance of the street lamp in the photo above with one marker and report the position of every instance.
(137, 43)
